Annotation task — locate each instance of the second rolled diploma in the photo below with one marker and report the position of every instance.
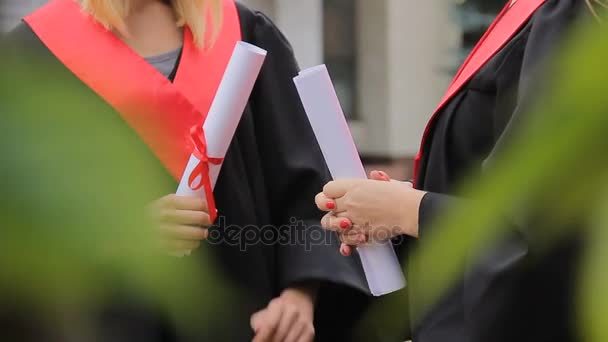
(380, 264)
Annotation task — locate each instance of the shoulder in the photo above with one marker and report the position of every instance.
(561, 11)
(250, 16)
(552, 24)
(257, 27)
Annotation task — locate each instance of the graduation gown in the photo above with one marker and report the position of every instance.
(267, 236)
(508, 295)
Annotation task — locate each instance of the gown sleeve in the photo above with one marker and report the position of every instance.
(294, 171)
(550, 25)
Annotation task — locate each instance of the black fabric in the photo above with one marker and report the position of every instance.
(265, 196)
(501, 296)
(431, 205)
(171, 76)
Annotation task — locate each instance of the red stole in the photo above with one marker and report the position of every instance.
(504, 27)
(160, 112)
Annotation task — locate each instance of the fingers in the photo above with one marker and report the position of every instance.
(302, 332)
(282, 321)
(289, 320)
(308, 335)
(338, 188)
(346, 250)
(353, 238)
(183, 203)
(256, 320)
(173, 246)
(348, 236)
(183, 232)
(383, 176)
(269, 322)
(295, 333)
(324, 203)
(379, 176)
(335, 223)
(185, 217)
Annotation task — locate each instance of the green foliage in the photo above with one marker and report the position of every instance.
(75, 188)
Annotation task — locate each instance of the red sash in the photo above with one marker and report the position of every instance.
(160, 112)
(504, 27)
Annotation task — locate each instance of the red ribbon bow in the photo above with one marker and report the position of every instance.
(202, 169)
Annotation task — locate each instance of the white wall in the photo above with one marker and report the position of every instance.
(420, 36)
(404, 53)
(302, 23)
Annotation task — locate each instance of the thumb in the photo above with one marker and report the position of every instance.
(379, 176)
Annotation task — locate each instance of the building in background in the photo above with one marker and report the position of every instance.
(390, 60)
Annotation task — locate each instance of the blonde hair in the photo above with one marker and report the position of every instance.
(191, 13)
(595, 5)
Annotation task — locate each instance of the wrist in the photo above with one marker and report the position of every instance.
(411, 209)
(308, 290)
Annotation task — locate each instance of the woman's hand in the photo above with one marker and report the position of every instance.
(182, 223)
(287, 318)
(375, 209)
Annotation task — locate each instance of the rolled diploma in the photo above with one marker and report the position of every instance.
(380, 263)
(225, 112)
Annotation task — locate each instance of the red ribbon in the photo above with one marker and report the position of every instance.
(202, 169)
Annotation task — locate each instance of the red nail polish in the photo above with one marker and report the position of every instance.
(331, 205)
(344, 224)
(385, 176)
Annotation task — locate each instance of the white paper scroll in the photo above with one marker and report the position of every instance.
(226, 111)
(380, 263)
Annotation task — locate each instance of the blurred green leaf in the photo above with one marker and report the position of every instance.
(75, 186)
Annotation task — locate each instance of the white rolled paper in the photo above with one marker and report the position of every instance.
(226, 111)
(380, 263)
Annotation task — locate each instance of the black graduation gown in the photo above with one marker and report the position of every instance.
(269, 178)
(508, 295)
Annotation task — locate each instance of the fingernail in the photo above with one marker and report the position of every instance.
(385, 176)
(330, 205)
(345, 224)
(344, 251)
